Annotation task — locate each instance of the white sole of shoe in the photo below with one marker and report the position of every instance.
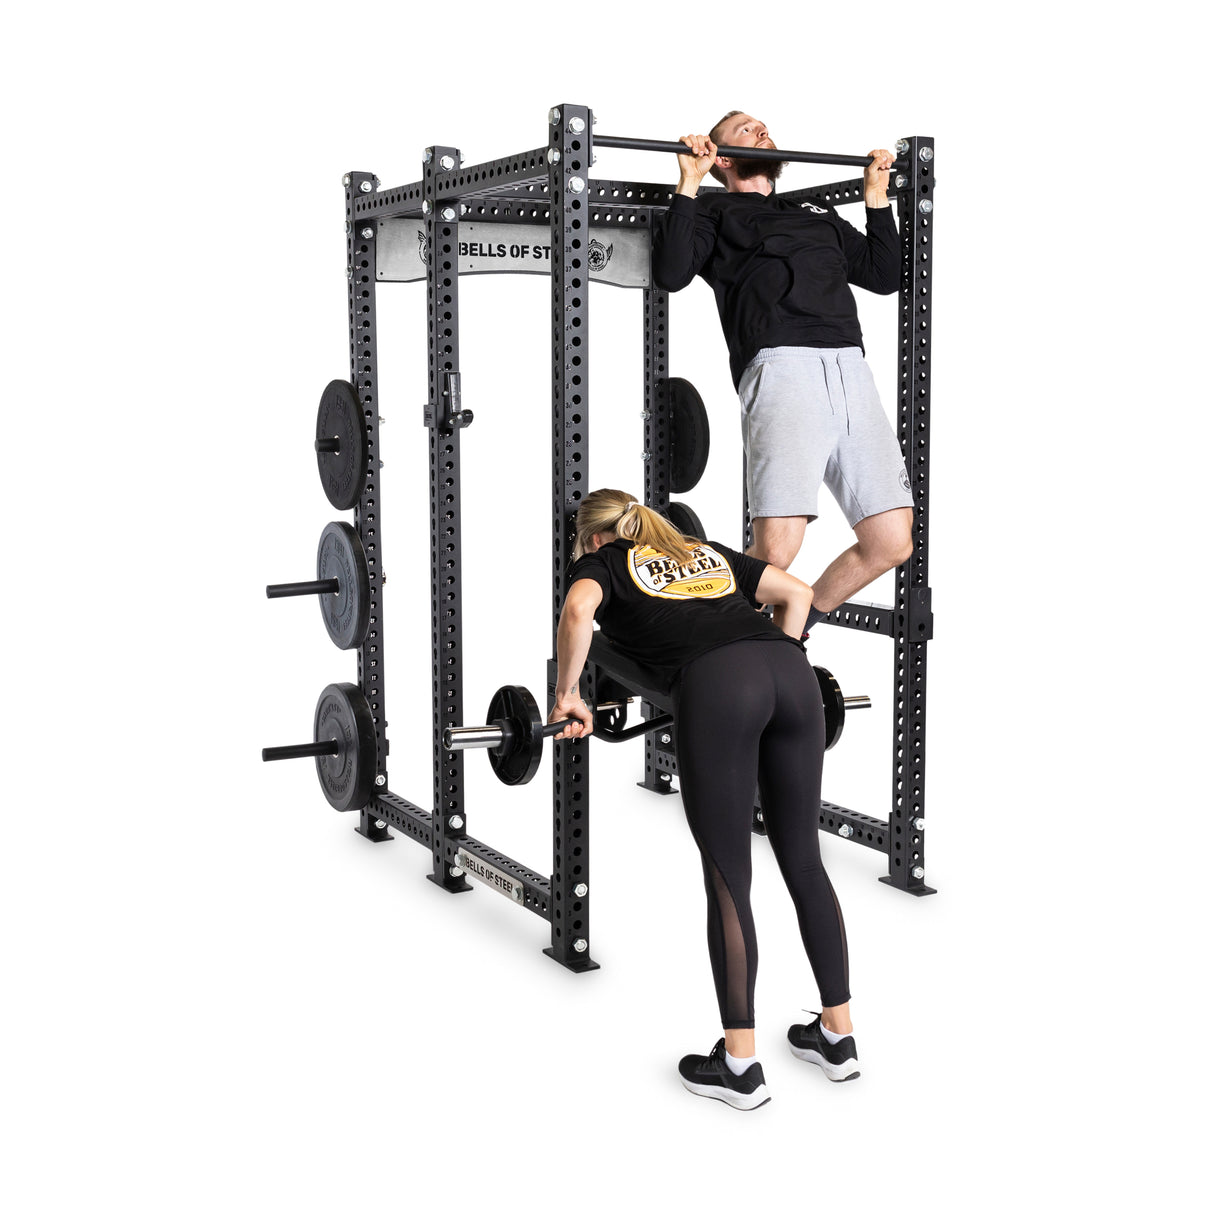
(736, 1100)
(837, 1072)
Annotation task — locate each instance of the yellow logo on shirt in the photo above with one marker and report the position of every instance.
(705, 575)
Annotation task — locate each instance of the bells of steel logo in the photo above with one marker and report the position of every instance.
(705, 574)
(423, 248)
(600, 255)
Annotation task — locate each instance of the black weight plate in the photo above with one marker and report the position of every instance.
(347, 613)
(344, 716)
(686, 520)
(688, 436)
(519, 757)
(832, 705)
(340, 416)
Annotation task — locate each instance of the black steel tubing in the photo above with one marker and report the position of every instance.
(305, 750)
(658, 145)
(288, 590)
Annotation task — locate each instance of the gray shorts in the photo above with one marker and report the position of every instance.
(811, 415)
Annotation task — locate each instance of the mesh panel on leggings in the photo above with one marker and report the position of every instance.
(734, 971)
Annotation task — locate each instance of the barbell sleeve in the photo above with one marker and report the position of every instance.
(659, 145)
(850, 702)
(497, 733)
(328, 446)
(305, 750)
(286, 590)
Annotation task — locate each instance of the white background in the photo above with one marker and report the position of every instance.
(220, 997)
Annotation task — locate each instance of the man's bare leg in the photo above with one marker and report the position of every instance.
(883, 541)
(778, 540)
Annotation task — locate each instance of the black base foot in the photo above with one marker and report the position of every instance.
(919, 891)
(375, 829)
(453, 885)
(580, 966)
(664, 789)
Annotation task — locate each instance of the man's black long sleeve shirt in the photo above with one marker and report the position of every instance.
(780, 269)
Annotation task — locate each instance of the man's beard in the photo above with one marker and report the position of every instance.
(746, 169)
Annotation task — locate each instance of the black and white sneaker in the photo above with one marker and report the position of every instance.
(808, 1044)
(711, 1076)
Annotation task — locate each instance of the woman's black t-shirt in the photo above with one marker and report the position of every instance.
(662, 614)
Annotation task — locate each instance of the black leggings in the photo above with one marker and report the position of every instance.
(745, 711)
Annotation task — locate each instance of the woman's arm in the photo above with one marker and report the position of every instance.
(790, 596)
(573, 636)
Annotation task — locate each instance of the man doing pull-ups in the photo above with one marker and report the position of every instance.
(782, 271)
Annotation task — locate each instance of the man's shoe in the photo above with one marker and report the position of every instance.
(712, 1077)
(808, 1044)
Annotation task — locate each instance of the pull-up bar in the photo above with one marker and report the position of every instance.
(657, 145)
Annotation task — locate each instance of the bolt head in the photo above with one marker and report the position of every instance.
(427, 207)
(428, 156)
(919, 823)
(577, 125)
(448, 213)
(925, 206)
(365, 186)
(645, 455)
(925, 154)
(554, 115)
(917, 873)
(448, 162)
(665, 739)
(846, 831)
(349, 274)
(580, 945)
(900, 182)
(665, 777)
(380, 824)
(576, 185)
(644, 415)
(456, 870)
(580, 889)
(554, 155)
(902, 147)
(464, 208)
(455, 822)
(367, 233)
(346, 179)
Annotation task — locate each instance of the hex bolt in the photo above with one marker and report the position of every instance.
(645, 455)
(644, 415)
(577, 125)
(900, 182)
(919, 823)
(367, 233)
(925, 154)
(576, 185)
(381, 780)
(917, 872)
(758, 815)
(580, 890)
(464, 208)
(456, 871)
(925, 206)
(580, 945)
(365, 186)
(349, 226)
(380, 824)
(846, 831)
(665, 777)
(428, 156)
(554, 115)
(902, 147)
(455, 822)
(554, 155)
(517, 893)
(427, 207)
(346, 179)
(448, 213)
(349, 274)
(448, 162)
(665, 739)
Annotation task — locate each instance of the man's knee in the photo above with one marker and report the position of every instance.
(777, 541)
(890, 544)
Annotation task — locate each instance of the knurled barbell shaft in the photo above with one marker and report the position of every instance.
(305, 750)
(752, 153)
(287, 590)
(486, 737)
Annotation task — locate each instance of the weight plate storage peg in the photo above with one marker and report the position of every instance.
(343, 745)
(688, 436)
(342, 586)
(341, 444)
(686, 520)
(835, 705)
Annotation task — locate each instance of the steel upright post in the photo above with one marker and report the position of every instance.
(913, 602)
(443, 418)
(360, 274)
(569, 156)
